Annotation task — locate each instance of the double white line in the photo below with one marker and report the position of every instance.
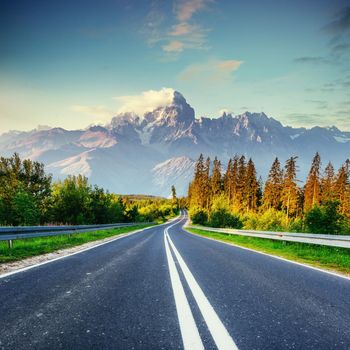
(189, 331)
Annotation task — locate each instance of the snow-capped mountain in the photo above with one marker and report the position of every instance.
(148, 153)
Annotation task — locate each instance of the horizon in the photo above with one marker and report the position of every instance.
(78, 64)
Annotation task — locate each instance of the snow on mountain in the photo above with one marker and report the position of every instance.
(174, 171)
(73, 165)
(144, 150)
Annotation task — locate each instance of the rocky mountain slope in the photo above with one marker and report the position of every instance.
(148, 153)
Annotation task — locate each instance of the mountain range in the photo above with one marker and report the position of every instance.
(148, 153)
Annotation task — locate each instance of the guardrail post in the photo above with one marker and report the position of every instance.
(10, 243)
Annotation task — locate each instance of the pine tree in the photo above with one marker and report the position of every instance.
(341, 188)
(327, 184)
(290, 188)
(312, 189)
(206, 188)
(216, 178)
(251, 187)
(240, 196)
(196, 194)
(228, 179)
(273, 187)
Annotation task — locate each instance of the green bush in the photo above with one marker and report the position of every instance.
(24, 210)
(270, 220)
(296, 225)
(325, 219)
(198, 216)
(222, 218)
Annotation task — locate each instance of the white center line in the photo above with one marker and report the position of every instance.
(189, 331)
(217, 329)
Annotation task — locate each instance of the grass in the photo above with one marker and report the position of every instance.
(330, 258)
(24, 248)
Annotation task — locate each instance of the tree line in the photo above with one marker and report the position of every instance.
(28, 196)
(239, 198)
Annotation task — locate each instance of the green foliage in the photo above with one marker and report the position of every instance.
(27, 197)
(223, 218)
(24, 210)
(325, 218)
(72, 201)
(279, 205)
(270, 220)
(220, 202)
(198, 216)
(296, 225)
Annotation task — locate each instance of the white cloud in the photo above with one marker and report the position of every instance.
(147, 101)
(174, 46)
(226, 111)
(211, 71)
(185, 9)
(184, 34)
(181, 29)
(100, 114)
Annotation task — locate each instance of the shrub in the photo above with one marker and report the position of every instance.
(198, 216)
(222, 218)
(273, 220)
(270, 220)
(324, 219)
(24, 210)
(251, 221)
(296, 225)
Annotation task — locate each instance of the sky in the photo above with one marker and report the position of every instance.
(76, 63)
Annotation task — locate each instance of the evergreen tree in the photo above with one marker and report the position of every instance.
(216, 178)
(228, 179)
(251, 187)
(231, 179)
(273, 187)
(312, 189)
(173, 192)
(290, 188)
(206, 186)
(341, 189)
(327, 184)
(196, 194)
(240, 196)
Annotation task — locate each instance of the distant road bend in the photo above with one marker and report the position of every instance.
(164, 288)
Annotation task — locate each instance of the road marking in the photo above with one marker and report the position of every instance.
(270, 255)
(217, 329)
(189, 331)
(7, 274)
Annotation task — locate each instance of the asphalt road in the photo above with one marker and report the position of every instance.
(164, 288)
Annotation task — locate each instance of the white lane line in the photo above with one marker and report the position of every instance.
(189, 331)
(217, 329)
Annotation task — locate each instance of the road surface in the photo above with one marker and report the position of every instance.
(164, 288)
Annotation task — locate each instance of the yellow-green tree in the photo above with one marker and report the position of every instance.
(290, 188)
(273, 187)
(312, 190)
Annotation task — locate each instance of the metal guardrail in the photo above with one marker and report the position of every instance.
(10, 234)
(311, 238)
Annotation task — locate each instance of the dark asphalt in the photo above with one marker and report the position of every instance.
(119, 296)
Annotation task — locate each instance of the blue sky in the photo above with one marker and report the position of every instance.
(73, 63)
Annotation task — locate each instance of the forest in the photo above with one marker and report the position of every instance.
(238, 198)
(29, 196)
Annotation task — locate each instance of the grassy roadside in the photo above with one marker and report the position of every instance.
(24, 248)
(330, 258)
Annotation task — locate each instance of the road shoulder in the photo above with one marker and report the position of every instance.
(7, 269)
(311, 265)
